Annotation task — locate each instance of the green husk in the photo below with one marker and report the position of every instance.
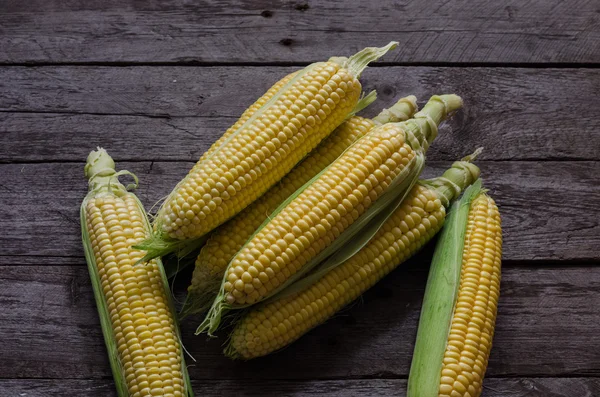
(358, 62)
(160, 244)
(402, 110)
(439, 300)
(420, 132)
(362, 103)
(103, 180)
(176, 262)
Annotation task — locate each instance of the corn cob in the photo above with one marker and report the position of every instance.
(307, 227)
(136, 313)
(459, 309)
(261, 151)
(313, 300)
(226, 241)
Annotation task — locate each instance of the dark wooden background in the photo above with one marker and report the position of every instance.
(155, 82)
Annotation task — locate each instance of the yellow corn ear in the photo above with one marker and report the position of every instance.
(228, 239)
(457, 322)
(261, 151)
(472, 328)
(137, 317)
(276, 323)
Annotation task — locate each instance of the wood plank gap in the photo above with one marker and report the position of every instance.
(79, 260)
(196, 63)
(145, 160)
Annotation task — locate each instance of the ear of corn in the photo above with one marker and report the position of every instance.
(226, 241)
(314, 299)
(261, 150)
(136, 312)
(457, 321)
(320, 217)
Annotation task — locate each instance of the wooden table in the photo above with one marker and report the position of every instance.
(155, 82)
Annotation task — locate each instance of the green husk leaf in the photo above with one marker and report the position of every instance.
(363, 102)
(439, 300)
(155, 247)
(104, 182)
(358, 62)
(186, 256)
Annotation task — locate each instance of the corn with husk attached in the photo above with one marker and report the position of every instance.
(257, 153)
(228, 239)
(458, 316)
(134, 302)
(380, 168)
(311, 301)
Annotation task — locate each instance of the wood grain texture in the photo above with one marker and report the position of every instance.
(176, 113)
(493, 387)
(547, 325)
(156, 82)
(546, 207)
(298, 31)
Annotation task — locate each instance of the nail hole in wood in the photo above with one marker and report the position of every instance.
(387, 90)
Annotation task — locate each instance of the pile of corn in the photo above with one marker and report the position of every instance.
(299, 208)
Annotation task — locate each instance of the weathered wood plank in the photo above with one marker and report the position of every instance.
(493, 387)
(298, 31)
(513, 113)
(547, 325)
(547, 207)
